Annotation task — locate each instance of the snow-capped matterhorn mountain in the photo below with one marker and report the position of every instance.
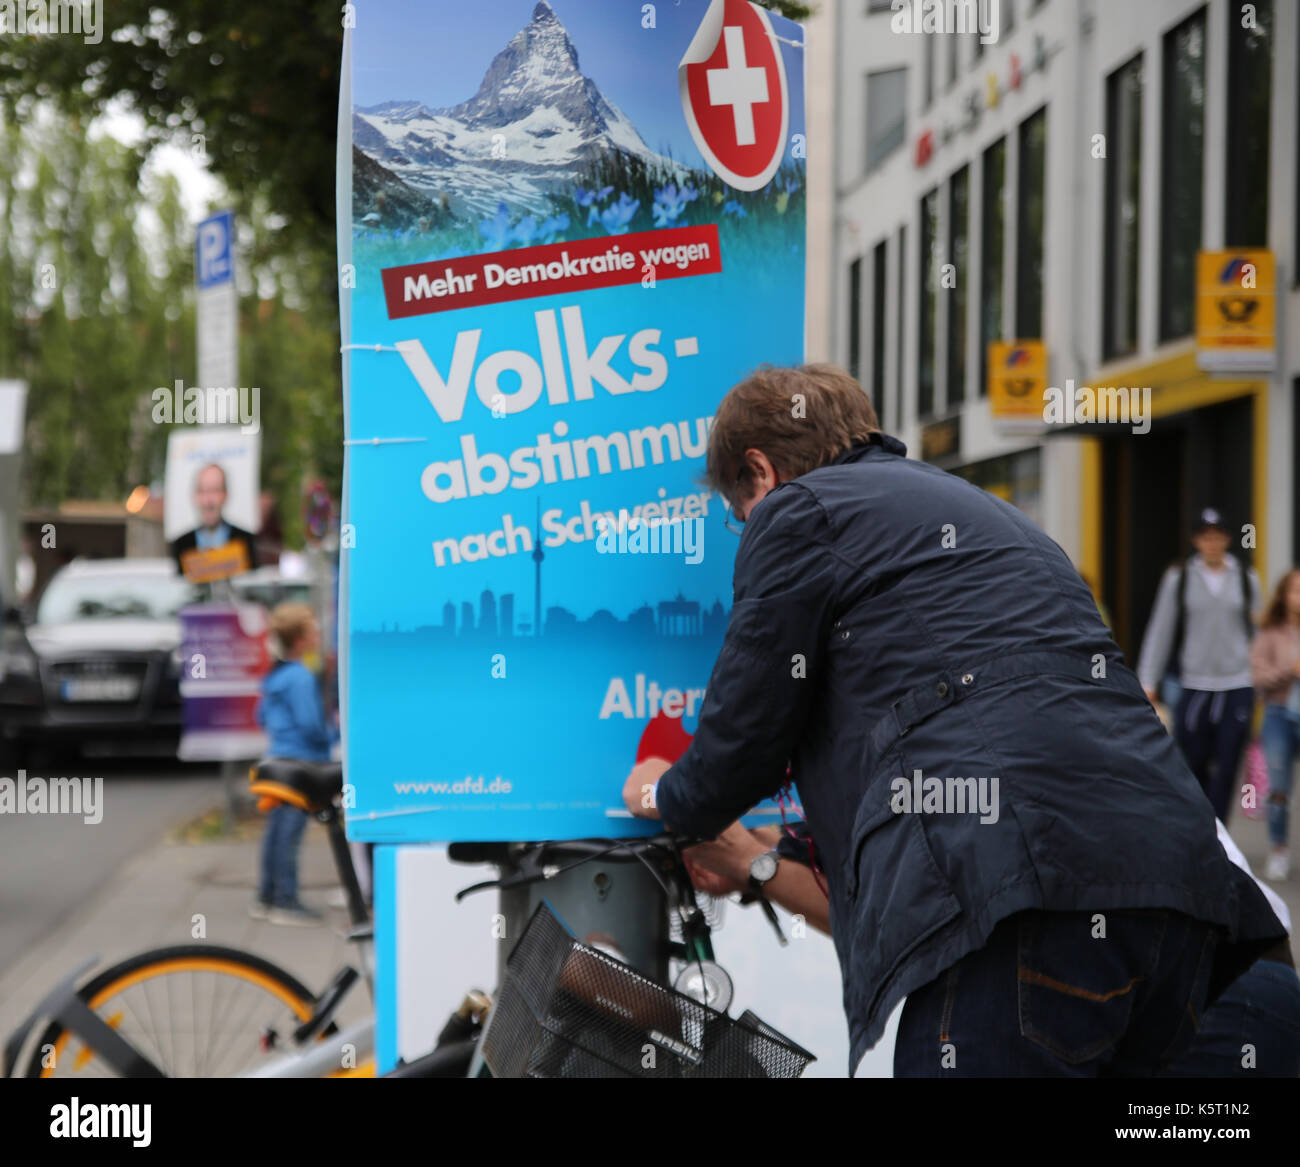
(535, 122)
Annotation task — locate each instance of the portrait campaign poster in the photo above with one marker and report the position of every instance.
(574, 225)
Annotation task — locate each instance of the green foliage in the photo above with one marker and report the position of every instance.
(791, 8)
(97, 311)
(253, 87)
(84, 315)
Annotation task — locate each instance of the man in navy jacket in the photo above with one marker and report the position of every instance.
(1009, 837)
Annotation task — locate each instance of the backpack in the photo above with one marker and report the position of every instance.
(1180, 625)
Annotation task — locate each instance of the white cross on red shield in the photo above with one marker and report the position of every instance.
(734, 94)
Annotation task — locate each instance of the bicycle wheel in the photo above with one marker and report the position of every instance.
(195, 1010)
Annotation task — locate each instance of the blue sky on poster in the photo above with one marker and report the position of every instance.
(438, 53)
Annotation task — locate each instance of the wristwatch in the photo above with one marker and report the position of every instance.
(761, 869)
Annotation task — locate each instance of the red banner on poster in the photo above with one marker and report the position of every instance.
(580, 265)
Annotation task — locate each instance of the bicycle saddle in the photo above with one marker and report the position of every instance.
(310, 786)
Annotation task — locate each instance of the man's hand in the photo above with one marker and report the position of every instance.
(722, 866)
(638, 790)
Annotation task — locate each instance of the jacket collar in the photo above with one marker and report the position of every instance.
(877, 441)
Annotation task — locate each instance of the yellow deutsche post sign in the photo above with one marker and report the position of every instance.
(1017, 379)
(1236, 311)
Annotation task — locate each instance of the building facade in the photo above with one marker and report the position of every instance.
(1054, 183)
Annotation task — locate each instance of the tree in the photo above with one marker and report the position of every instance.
(96, 312)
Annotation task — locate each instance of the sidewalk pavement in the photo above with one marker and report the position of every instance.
(166, 893)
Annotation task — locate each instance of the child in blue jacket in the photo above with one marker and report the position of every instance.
(293, 715)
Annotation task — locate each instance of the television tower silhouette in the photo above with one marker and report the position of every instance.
(538, 556)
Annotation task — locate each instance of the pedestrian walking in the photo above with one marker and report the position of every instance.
(1275, 660)
(1201, 627)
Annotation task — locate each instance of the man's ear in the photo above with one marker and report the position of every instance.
(761, 468)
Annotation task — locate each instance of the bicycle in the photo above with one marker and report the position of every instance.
(266, 1023)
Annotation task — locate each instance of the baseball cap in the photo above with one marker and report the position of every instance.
(1207, 518)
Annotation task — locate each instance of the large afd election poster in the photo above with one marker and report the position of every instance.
(574, 225)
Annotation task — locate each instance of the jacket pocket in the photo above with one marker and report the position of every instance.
(898, 897)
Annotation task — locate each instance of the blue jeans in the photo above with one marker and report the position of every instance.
(1048, 996)
(279, 881)
(1257, 1020)
(1280, 737)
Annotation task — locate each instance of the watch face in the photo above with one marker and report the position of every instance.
(762, 867)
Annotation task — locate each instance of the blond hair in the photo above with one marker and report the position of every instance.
(289, 624)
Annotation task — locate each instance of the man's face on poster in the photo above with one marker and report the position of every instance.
(210, 495)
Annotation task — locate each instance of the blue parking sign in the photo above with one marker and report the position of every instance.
(213, 249)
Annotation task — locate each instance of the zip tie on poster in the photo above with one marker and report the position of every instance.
(380, 441)
(376, 348)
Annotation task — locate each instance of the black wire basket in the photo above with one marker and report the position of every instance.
(567, 1010)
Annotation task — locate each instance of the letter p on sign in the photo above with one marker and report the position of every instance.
(213, 249)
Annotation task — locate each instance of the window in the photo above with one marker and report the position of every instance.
(959, 255)
(878, 305)
(1014, 478)
(1119, 292)
(886, 114)
(902, 315)
(929, 70)
(928, 288)
(1181, 173)
(1029, 225)
(855, 319)
(993, 174)
(1250, 84)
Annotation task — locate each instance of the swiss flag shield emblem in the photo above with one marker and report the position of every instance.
(734, 93)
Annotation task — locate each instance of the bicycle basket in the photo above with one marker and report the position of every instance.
(567, 1010)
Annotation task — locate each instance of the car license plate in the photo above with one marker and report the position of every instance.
(101, 689)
